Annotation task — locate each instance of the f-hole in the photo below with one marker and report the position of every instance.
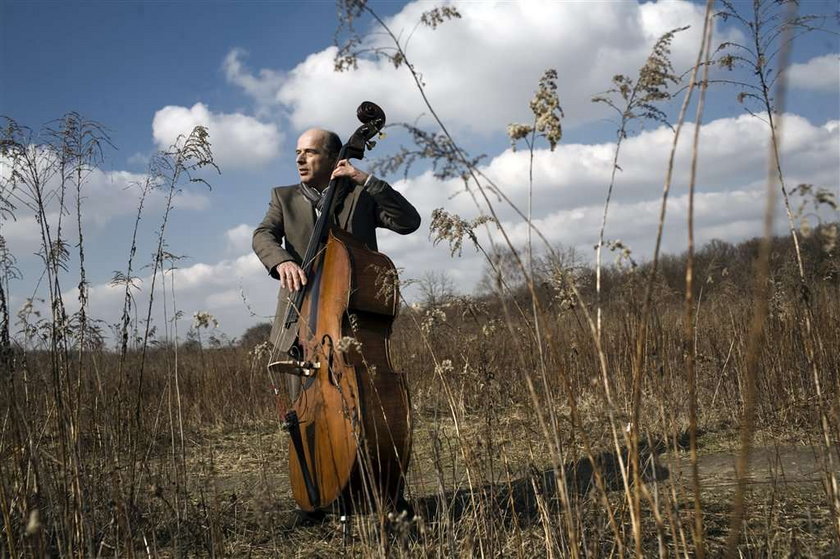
(328, 350)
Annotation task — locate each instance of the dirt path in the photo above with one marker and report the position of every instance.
(787, 464)
(245, 474)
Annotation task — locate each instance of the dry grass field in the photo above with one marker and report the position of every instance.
(688, 406)
(91, 465)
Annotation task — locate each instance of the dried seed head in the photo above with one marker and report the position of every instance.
(436, 16)
(33, 526)
(433, 317)
(828, 236)
(260, 351)
(547, 113)
(203, 319)
(452, 228)
(546, 108)
(444, 367)
(518, 132)
(347, 343)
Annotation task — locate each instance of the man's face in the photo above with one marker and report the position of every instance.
(314, 164)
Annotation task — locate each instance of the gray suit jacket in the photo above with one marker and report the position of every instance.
(285, 231)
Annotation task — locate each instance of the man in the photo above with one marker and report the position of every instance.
(281, 239)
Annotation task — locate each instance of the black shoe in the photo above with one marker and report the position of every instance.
(404, 509)
(309, 518)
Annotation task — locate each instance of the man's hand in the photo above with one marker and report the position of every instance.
(345, 169)
(291, 275)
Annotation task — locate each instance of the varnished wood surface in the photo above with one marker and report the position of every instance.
(355, 413)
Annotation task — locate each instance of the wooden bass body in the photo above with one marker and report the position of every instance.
(353, 409)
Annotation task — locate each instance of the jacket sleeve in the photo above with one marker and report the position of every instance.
(267, 239)
(393, 211)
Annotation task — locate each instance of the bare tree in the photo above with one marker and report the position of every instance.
(436, 288)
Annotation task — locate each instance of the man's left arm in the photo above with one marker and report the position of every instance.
(393, 211)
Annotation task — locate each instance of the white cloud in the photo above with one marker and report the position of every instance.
(481, 71)
(239, 293)
(138, 159)
(636, 223)
(22, 234)
(733, 155)
(218, 288)
(569, 188)
(570, 185)
(239, 238)
(821, 73)
(568, 193)
(237, 141)
(106, 196)
(263, 87)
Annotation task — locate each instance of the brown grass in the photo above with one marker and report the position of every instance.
(555, 415)
(482, 477)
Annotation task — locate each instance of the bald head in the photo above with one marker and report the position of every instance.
(328, 139)
(315, 156)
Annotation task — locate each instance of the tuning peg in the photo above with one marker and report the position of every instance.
(370, 144)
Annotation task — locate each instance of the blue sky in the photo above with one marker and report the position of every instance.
(120, 62)
(262, 71)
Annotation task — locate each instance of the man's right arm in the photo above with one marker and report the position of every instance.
(267, 239)
(267, 242)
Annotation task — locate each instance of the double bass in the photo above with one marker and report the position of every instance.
(350, 426)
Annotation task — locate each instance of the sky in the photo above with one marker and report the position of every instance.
(258, 73)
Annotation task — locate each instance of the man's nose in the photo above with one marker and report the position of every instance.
(299, 158)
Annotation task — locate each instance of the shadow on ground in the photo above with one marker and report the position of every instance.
(523, 497)
(788, 466)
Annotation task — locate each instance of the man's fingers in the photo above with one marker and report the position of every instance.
(345, 169)
(343, 166)
(292, 277)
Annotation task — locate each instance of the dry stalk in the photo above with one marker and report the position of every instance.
(641, 333)
(703, 57)
(755, 340)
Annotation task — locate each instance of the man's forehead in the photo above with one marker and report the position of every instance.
(312, 139)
